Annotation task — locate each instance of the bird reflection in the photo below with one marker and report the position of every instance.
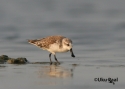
(55, 71)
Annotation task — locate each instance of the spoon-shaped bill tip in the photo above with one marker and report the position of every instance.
(72, 54)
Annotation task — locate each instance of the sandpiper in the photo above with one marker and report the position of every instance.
(54, 44)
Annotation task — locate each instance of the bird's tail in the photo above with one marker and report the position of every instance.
(32, 41)
(35, 42)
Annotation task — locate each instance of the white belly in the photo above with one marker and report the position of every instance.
(55, 48)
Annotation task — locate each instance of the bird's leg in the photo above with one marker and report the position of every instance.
(50, 58)
(56, 59)
(72, 54)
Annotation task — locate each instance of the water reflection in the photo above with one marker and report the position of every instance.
(55, 75)
(55, 71)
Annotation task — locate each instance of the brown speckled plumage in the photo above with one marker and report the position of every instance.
(45, 42)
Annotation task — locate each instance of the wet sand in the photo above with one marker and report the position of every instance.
(67, 75)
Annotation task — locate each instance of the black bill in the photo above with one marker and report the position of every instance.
(72, 54)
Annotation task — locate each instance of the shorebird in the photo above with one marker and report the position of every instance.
(54, 44)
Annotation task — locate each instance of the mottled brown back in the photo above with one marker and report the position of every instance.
(45, 42)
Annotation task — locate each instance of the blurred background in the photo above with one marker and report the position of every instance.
(97, 28)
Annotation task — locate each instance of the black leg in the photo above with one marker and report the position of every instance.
(50, 58)
(56, 59)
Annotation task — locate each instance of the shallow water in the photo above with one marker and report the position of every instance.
(67, 75)
(96, 27)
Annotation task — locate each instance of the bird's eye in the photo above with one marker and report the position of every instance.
(67, 44)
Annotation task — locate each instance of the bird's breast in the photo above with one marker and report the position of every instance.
(56, 48)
